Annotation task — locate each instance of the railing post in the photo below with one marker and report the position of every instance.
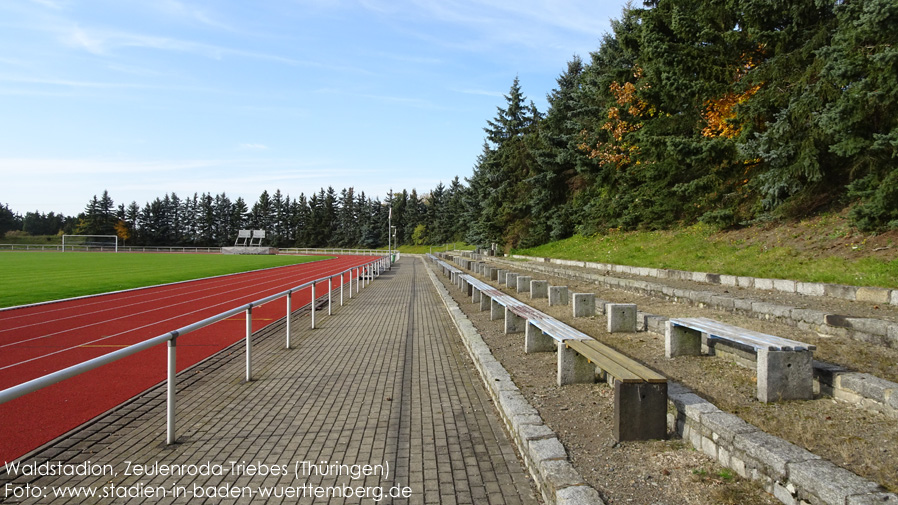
(289, 316)
(313, 305)
(249, 343)
(330, 289)
(341, 288)
(170, 435)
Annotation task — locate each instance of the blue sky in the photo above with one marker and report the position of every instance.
(148, 97)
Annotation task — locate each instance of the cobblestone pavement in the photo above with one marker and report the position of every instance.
(380, 399)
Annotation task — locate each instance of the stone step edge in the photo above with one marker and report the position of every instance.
(543, 454)
(842, 291)
(875, 331)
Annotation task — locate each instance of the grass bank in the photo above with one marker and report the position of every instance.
(819, 250)
(424, 249)
(32, 277)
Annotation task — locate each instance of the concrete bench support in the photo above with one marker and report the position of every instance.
(497, 311)
(584, 304)
(492, 273)
(621, 317)
(500, 275)
(785, 375)
(573, 368)
(680, 341)
(539, 289)
(523, 283)
(484, 302)
(537, 341)
(511, 280)
(558, 295)
(476, 295)
(513, 322)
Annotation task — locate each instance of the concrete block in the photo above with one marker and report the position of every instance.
(621, 317)
(742, 304)
(572, 367)
(726, 426)
(893, 298)
(655, 324)
(873, 295)
(584, 304)
(681, 341)
(785, 375)
(559, 475)
(558, 295)
(809, 288)
(578, 495)
(546, 450)
(828, 482)
(692, 406)
(539, 289)
(766, 284)
(729, 280)
(868, 386)
(484, 302)
(784, 285)
(497, 311)
(745, 282)
(476, 296)
(873, 499)
(869, 325)
(511, 280)
(773, 453)
(772, 310)
(537, 341)
(500, 275)
(513, 322)
(523, 283)
(723, 302)
(840, 291)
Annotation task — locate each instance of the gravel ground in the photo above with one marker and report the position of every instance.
(671, 471)
(665, 472)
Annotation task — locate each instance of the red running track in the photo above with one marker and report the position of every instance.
(38, 340)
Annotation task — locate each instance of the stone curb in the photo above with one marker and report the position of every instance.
(790, 473)
(875, 331)
(544, 455)
(845, 292)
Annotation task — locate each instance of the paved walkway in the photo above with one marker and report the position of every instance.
(383, 387)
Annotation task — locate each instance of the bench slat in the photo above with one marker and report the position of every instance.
(617, 370)
(755, 339)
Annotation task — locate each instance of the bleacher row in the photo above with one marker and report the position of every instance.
(784, 367)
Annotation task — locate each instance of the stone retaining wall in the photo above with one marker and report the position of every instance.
(875, 331)
(859, 293)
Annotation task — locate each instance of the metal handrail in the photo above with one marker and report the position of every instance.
(366, 273)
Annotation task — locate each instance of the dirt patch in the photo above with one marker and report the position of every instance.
(858, 440)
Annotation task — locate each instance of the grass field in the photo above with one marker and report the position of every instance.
(802, 253)
(31, 277)
(424, 249)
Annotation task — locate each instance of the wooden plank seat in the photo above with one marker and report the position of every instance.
(640, 393)
(784, 366)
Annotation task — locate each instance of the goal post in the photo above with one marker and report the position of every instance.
(90, 243)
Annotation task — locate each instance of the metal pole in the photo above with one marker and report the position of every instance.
(350, 283)
(313, 305)
(341, 289)
(249, 343)
(170, 407)
(330, 289)
(289, 316)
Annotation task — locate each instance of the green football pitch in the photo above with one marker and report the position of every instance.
(32, 277)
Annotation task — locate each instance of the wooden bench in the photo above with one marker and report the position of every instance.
(784, 367)
(640, 394)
